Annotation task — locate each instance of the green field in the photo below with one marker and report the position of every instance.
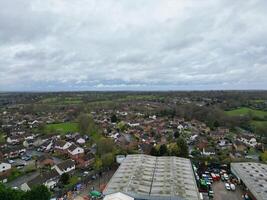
(246, 111)
(259, 123)
(61, 100)
(62, 128)
(2, 138)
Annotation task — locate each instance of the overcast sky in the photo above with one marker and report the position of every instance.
(51, 45)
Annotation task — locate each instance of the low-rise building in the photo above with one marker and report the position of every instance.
(49, 179)
(65, 167)
(5, 169)
(75, 151)
(148, 177)
(253, 176)
(62, 145)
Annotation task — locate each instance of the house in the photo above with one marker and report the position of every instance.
(65, 166)
(208, 151)
(75, 152)
(14, 139)
(41, 140)
(62, 145)
(87, 160)
(28, 143)
(80, 140)
(248, 140)
(45, 160)
(239, 146)
(12, 152)
(5, 169)
(49, 179)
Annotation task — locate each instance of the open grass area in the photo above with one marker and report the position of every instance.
(62, 128)
(61, 100)
(247, 111)
(2, 138)
(259, 123)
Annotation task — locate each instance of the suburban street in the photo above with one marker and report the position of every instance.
(19, 181)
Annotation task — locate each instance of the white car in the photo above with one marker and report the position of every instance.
(232, 186)
(226, 177)
(11, 161)
(227, 186)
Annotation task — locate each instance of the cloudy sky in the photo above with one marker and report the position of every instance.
(56, 45)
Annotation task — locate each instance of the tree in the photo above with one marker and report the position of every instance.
(121, 126)
(173, 149)
(98, 164)
(86, 124)
(263, 156)
(104, 145)
(9, 193)
(181, 143)
(261, 130)
(65, 178)
(113, 118)
(176, 134)
(154, 151)
(107, 159)
(40, 192)
(163, 151)
(83, 123)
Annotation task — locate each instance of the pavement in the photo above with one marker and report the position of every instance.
(220, 192)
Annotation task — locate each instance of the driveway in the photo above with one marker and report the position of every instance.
(220, 193)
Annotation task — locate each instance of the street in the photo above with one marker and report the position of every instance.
(20, 180)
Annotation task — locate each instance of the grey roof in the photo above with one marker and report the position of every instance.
(254, 176)
(42, 178)
(66, 164)
(149, 177)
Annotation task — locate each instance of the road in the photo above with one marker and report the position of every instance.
(20, 180)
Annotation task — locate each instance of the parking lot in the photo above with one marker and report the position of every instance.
(220, 192)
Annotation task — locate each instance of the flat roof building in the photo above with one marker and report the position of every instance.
(153, 178)
(253, 176)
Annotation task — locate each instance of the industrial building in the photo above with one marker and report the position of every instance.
(152, 178)
(253, 176)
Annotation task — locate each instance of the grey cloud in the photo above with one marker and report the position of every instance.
(61, 45)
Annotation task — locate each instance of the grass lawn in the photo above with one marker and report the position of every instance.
(62, 128)
(245, 111)
(258, 101)
(259, 123)
(2, 138)
(61, 100)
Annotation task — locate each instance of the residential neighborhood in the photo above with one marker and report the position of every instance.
(68, 151)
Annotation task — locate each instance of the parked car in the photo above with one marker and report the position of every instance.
(226, 177)
(85, 173)
(232, 186)
(11, 161)
(211, 194)
(26, 158)
(227, 186)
